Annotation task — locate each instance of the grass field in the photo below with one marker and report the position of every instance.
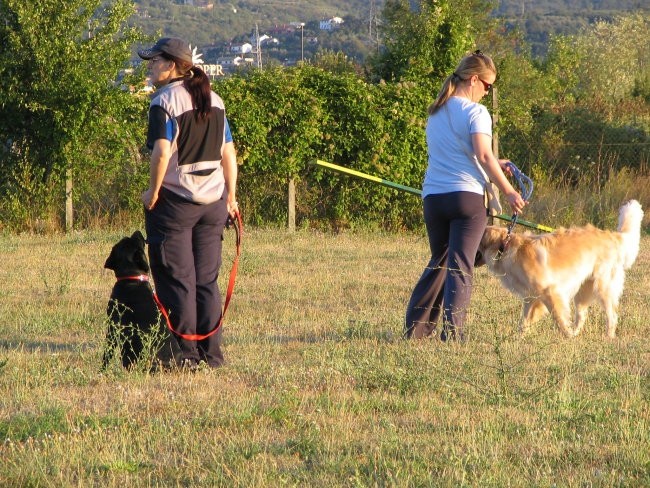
(320, 389)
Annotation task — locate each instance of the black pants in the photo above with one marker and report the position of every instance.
(455, 223)
(185, 254)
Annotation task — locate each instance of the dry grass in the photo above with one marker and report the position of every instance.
(320, 389)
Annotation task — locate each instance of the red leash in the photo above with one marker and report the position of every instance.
(239, 226)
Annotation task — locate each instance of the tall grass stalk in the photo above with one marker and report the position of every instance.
(319, 389)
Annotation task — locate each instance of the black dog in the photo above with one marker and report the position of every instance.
(134, 325)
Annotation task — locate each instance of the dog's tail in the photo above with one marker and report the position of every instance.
(630, 216)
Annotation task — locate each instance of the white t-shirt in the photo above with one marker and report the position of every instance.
(450, 167)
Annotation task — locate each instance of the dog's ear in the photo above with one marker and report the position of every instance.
(110, 261)
(139, 256)
(137, 235)
(492, 237)
(113, 260)
(141, 260)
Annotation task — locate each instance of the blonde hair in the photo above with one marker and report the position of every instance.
(475, 63)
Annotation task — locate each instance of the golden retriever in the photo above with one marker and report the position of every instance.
(578, 264)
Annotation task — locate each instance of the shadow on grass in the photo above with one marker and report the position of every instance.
(45, 347)
(284, 339)
(346, 335)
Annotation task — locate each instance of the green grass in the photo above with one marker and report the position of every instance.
(320, 389)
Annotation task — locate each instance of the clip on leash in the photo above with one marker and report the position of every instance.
(526, 191)
(239, 227)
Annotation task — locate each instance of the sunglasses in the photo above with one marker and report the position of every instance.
(487, 86)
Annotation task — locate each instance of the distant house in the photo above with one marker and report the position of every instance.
(228, 63)
(224, 60)
(197, 3)
(265, 39)
(244, 48)
(331, 24)
(282, 29)
(238, 61)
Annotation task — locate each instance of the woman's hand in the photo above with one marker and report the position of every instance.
(504, 166)
(515, 201)
(149, 198)
(232, 206)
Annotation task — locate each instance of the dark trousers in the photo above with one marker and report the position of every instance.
(455, 223)
(185, 255)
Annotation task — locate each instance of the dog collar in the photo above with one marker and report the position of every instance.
(503, 247)
(142, 277)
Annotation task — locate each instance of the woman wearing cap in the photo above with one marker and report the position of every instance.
(191, 194)
(459, 143)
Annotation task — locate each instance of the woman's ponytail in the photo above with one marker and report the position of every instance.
(198, 86)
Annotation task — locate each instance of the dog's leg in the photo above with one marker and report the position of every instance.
(108, 355)
(611, 310)
(133, 346)
(609, 293)
(560, 310)
(581, 302)
(110, 344)
(580, 316)
(533, 310)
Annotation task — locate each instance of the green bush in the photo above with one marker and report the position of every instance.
(554, 121)
(283, 119)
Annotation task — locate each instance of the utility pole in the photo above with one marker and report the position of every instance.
(302, 41)
(373, 22)
(258, 49)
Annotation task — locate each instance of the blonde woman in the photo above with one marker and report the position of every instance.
(459, 143)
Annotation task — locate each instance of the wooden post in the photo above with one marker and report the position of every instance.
(495, 134)
(68, 201)
(495, 120)
(292, 205)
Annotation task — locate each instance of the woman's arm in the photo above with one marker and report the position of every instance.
(229, 164)
(483, 149)
(157, 168)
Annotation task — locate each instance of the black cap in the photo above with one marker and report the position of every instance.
(172, 46)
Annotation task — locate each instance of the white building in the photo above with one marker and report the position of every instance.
(331, 24)
(245, 48)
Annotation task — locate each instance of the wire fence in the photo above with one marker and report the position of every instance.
(569, 155)
(575, 142)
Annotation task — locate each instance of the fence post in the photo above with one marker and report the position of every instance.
(495, 134)
(68, 201)
(495, 120)
(291, 210)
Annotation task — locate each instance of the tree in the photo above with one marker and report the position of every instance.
(582, 106)
(276, 126)
(615, 58)
(61, 109)
(425, 43)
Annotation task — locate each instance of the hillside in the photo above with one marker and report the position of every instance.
(539, 19)
(212, 21)
(219, 22)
